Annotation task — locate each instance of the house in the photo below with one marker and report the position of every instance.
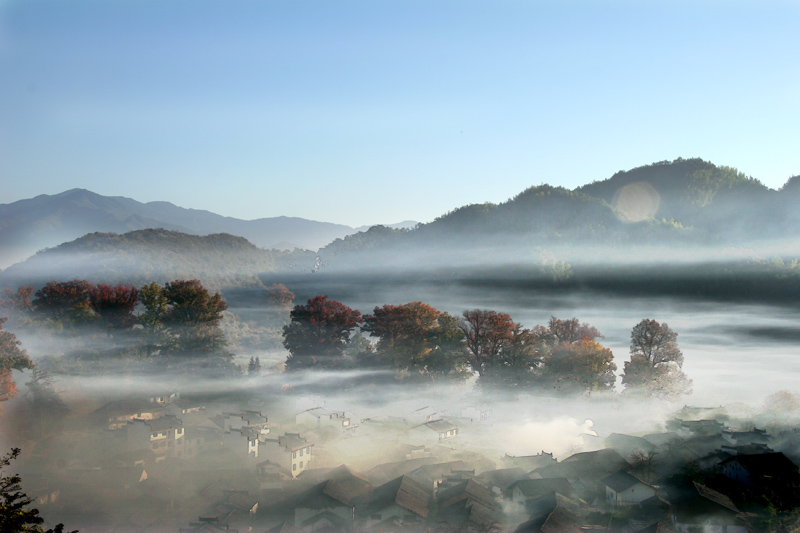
(290, 451)
(433, 432)
(115, 415)
(165, 398)
(244, 442)
(331, 502)
(476, 414)
(528, 489)
(698, 507)
(164, 436)
(272, 476)
(624, 489)
(529, 462)
(401, 500)
(321, 417)
(743, 438)
(763, 470)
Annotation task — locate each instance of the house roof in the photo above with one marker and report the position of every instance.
(714, 496)
(502, 478)
(402, 491)
(164, 423)
(765, 464)
(620, 481)
(534, 488)
(437, 425)
(465, 490)
(286, 527)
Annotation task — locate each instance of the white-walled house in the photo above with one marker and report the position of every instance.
(624, 489)
(164, 436)
(433, 432)
(291, 451)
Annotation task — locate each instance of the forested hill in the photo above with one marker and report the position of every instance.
(49, 220)
(686, 202)
(154, 255)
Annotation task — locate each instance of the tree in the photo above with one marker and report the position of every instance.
(65, 303)
(12, 357)
(192, 318)
(486, 333)
(318, 333)
(15, 516)
(152, 320)
(580, 367)
(656, 362)
(279, 301)
(114, 305)
(254, 367)
(417, 339)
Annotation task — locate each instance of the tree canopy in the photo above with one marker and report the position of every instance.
(656, 362)
(318, 333)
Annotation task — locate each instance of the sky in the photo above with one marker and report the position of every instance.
(378, 111)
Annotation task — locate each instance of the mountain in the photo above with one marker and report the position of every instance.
(49, 220)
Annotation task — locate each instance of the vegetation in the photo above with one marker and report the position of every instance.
(656, 361)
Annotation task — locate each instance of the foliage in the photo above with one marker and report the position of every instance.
(192, 319)
(114, 305)
(487, 334)
(254, 366)
(65, 304)
(318, 333)
(15, 513)
(656, 361)
(418, 340)
(584, 366)
(12, 357)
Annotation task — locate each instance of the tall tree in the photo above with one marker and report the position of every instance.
(318, 333)
(192, 318)
(152, 319)
(279, 301)
(656, 362)
(12, 357)
(114, 305)
(487, 334)
(417, 339)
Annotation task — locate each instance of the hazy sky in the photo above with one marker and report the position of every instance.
(378, 111)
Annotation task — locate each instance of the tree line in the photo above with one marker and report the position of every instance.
(417, 342)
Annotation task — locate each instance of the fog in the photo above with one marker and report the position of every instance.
(739, 351)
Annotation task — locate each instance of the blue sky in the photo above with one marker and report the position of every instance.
(372, 111)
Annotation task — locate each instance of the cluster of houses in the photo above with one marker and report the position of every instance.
(169, 463)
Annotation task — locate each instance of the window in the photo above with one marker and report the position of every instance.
(301, 452)
(294, 455)
(294, 467)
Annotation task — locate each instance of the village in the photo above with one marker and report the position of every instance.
(171, 462)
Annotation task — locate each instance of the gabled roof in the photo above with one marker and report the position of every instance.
(502, 478)
(620, 481)
(465, 490)
(714, 496)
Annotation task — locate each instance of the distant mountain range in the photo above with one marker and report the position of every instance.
(673, 206)
(49, 220)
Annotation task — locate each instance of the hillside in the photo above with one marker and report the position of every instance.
(149, 255)
(45, 221)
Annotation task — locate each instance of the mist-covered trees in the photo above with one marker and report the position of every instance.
(656, 362)
(417, 340)
(572, 360)
(12, 357)
(318, 333)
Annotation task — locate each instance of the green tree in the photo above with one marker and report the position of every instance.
(656, 362)
(65, 304)
(152, 319)
(192, 319)
(318, 333)
(16, 515)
